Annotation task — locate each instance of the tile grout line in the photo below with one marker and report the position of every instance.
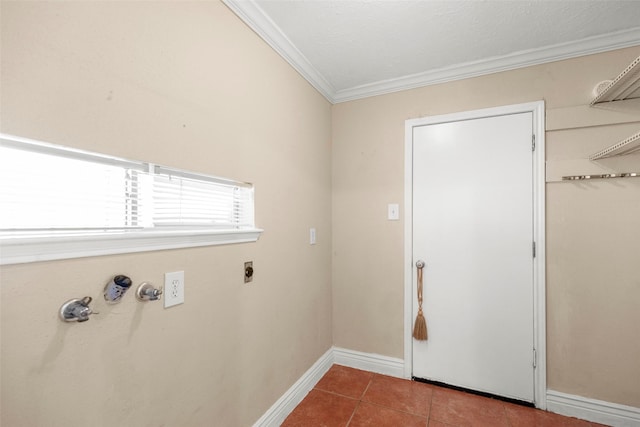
(336, 394)
(360, 400)
(506, 414)
(353, 413)
(400, 411)
(379, 405)
(430, 408)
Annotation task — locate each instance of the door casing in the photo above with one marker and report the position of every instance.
(539, 310)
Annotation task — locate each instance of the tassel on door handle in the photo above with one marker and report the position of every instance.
(420, 326)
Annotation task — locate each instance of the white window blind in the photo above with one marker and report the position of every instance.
(182, 198)
(50, 188)
(49, 191)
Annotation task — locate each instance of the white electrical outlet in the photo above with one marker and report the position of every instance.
(173, 288)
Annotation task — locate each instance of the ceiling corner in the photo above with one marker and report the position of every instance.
(252, 15)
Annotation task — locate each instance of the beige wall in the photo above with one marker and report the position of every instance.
(593, 286)
(184, 84)
(188, 85)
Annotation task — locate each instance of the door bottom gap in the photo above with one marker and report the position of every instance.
(476, 392)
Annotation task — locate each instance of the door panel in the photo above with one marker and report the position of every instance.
(473, 226)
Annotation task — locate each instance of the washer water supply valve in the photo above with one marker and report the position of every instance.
(76, 310)
(146, 292)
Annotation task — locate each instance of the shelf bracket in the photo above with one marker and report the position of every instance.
(625, 86)
(628, 146)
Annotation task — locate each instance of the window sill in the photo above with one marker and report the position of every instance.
(34, 249)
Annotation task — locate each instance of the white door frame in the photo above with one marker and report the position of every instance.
(539, 265)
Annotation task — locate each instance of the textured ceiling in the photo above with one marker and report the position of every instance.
(359, 48)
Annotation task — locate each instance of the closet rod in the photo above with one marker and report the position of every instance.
(602, 176)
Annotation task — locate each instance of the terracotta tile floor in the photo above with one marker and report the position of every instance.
(354, 398)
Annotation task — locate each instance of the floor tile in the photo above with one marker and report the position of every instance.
(464, 409)
(400, 394)
(345, 381)
(347, 397)
(368, 414)
(322, 409)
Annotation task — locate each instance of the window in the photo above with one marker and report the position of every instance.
(59, 202)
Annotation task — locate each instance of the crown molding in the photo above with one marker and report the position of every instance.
(252, 15)
(588, 46)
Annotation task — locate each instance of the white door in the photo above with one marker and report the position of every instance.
(473, 227)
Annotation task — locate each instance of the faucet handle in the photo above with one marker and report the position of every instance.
(76, 310)
(146, 292)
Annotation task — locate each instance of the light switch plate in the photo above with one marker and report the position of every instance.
(393, 212)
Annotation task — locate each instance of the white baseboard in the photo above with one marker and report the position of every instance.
(353, 359)
(597, 411)
(292, 397)
(369, 362)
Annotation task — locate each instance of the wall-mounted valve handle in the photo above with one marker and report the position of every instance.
(146, 292)
(76, 310)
